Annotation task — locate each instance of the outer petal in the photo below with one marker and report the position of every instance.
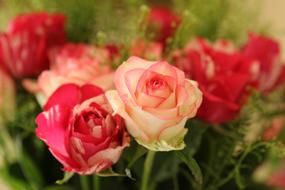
(148, 123)
(170, 138)
(119, 108)
(163, 68)
(52, 130)
(112, 155)
(131, 64)
(67, 95)
(193, 102)
(89, 91)
(52, 126)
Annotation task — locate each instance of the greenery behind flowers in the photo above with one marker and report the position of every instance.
(211, 151)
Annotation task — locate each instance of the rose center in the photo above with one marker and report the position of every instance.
(156, 83)
(93, 118)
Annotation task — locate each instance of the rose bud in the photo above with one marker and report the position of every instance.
(24, 47)
(271, 173)
(7, 97)
(266, 52)
(155, 100)
(74, 63)
(163, 22)
(223, 75)
(277, 178)
(81, 130)
(275, 129)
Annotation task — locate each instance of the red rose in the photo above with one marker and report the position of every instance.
(163, 22)
(24, 47)
(81, 131)
(267, 52)
(223, 75)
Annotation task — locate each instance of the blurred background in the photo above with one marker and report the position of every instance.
(273, 12)
(95, 24)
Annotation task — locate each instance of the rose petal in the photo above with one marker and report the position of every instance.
(145, 100)
(52, 128)
(168, 103)
(89, 91)
(173, 131)
(120, 109)
(130, 64)
(67, 95)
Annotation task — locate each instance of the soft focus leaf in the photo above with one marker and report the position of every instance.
(61, 187)
(31, 171)
(192, 165)
(169, 166)
(138, 154)
(194, 136)
(13, 182)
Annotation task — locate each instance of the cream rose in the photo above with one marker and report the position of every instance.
(155, 100)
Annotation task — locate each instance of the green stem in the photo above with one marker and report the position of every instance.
(147, 170)
(84, 182)
(96, 182)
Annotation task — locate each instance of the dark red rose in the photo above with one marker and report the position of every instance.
(163, 21)
(223, 75)
(24, 47)
(266, 52)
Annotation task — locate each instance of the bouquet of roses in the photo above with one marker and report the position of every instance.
(150, 113)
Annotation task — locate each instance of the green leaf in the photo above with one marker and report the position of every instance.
(67, 176)
(31, 171)
(138, 154)
(167, 165)
(13, 182)
(57, 187)
(192, 165)
(110, 173)
(194, 136)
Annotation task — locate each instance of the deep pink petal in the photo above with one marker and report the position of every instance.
(67, 95)
(52, 128)
(89, 91)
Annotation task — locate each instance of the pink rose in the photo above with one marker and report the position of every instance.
(266, 52)
(81, 131)
(74, 63)
(7, 97)
(24, 47)
(155, 100)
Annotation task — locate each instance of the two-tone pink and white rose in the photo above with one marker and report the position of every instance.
(155, 100)
(77, 64)
(80, 129)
